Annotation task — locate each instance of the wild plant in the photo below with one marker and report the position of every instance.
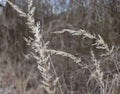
(96, 78)
(40, 51)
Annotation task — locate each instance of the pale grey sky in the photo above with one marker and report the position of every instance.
(3, 2)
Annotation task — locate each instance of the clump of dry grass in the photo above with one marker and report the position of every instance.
(42, 54)
(96, 79)
(40, 51)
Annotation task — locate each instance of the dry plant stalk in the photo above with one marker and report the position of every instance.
(21, 13)
(99, 43)
(64, 54)
(97, 74)
(37, 44)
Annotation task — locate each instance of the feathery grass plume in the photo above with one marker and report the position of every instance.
(99, 43)
(76, 33)
(38, 45)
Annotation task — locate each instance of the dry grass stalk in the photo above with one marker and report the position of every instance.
(99, 43)
(64, 54)
(97, 74)
(21, 13)
(37, 45)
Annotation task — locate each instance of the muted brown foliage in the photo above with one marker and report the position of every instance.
(96, 16)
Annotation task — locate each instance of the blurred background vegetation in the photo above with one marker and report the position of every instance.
(96, 16)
